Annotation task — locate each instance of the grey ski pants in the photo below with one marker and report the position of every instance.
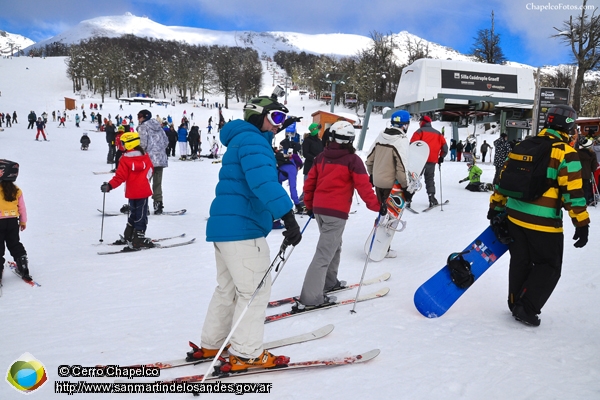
(323, 269)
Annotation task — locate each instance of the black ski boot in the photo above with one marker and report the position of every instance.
(140, 241)
(127, 236)
(23, 268)
(158, 207)
(432, 201)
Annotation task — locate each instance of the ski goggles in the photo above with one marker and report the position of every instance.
(276, 117)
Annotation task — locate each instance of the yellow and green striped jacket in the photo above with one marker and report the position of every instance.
(545, 213)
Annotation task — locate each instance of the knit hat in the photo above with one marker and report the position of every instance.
(314, 129)
(425, 118)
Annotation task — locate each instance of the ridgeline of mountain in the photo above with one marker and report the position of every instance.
(338, 44)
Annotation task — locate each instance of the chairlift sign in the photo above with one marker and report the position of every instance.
(480, 81)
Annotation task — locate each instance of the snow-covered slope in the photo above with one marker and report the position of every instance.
(144, 307)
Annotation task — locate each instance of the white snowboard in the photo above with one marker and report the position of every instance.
(392, 222)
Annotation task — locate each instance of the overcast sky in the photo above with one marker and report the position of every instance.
(524, 26)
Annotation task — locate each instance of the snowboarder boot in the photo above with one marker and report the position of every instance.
(523, 316)
(23, 267)
(432, 201)
(140, 241)
(158, 207)
(127, 236)
(265, 360)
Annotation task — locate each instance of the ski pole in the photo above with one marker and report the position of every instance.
(441, 192)
(281, 254)
(366, 263)
(356, 197)
(102, 226)
(278, 263)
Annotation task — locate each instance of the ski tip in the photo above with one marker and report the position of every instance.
(326, 330)
(368, 356)
(385, 276)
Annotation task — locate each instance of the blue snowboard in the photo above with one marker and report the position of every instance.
(439, 293)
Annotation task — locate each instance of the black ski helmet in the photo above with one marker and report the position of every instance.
(561, 117)
(9, 170)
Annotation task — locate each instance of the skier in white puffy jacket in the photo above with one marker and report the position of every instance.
(154, 141)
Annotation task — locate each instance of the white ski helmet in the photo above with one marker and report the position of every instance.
(342, 132)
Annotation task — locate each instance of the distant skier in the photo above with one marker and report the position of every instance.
(85, 141)
(475, 185)
(40, 128)
(437, 151)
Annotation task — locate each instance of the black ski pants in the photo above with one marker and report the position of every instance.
(9, 234)
(535, 266)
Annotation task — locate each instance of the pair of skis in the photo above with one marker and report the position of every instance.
(306, 337)
(290, 300)
(115, 213)
(127, 249)
(13, 267)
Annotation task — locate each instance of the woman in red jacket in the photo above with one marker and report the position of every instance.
(135, 169)
(328, 192)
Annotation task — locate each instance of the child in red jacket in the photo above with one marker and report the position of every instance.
(328, 192)
(135, 169)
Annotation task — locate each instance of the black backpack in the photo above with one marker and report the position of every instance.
(460, 270)
(524, 176)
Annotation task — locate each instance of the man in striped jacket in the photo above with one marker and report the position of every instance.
(536, 227)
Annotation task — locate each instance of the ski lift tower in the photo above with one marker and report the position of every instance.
(329, 78)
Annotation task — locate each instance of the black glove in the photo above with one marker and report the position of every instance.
(383, 210)
(440, 159)
(292, 233)
(309, 212)
(407, 195)
(493, 213)
(581, 234)
(289, 121)
(105, 187)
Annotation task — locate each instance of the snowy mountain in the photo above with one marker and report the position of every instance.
(10, 43)
(340, 44)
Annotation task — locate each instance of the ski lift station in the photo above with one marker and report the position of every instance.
(463, 91)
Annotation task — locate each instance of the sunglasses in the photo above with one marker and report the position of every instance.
(276, 117)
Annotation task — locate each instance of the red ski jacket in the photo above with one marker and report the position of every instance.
(135, 169)
(330, 184)
(436, 141)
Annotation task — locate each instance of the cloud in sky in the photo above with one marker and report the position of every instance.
(524, 25)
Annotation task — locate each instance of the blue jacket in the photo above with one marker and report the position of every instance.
(182, 134)
(248, 195)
